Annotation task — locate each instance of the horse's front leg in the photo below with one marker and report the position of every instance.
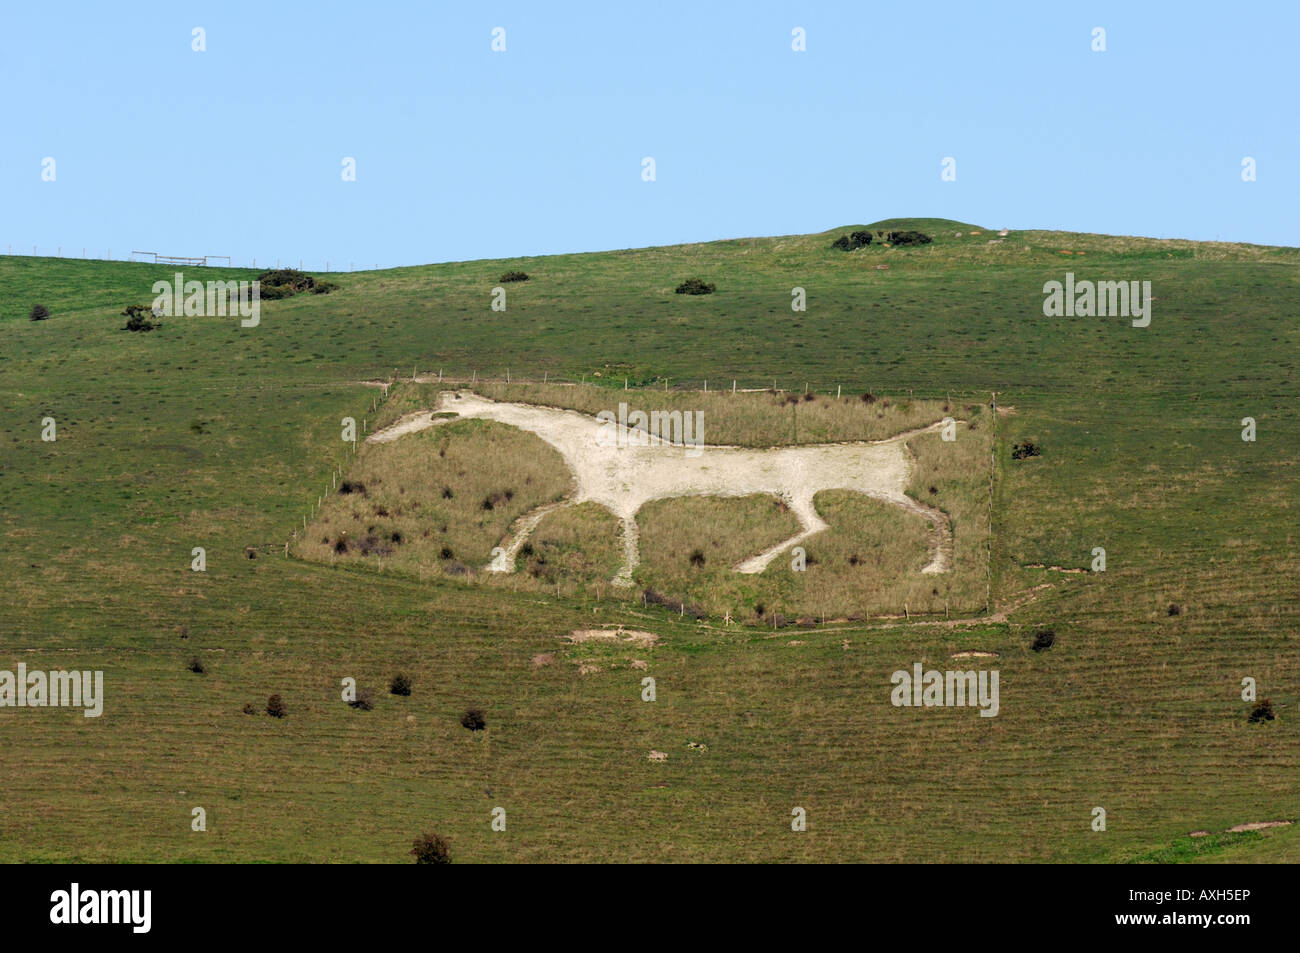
(810, 524)
(631, 557)
(503, 556)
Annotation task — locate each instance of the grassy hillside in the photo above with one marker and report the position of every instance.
(205, 434)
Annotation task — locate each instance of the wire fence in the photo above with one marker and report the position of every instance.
(856, 390)
(188, 261)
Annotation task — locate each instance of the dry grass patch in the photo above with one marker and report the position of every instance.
(435, 502)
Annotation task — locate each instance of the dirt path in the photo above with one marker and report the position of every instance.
(413, 422)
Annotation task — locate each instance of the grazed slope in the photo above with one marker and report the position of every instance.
(203, 434)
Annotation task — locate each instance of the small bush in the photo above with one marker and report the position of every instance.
(446, 493)
(514, 276)
(323, 287)
(275, 707)
(249, 708)
(474, 719)
(431, 849)
(283, 282)
(852, 240)
(364, 701)
(400, 685)
(348, 486)
(446, 553)
(697, 558)
(139, 318)
(195, 665)
(1263, 711)
(695, 286)
(340, 546)
(1044, 639)
(868, 398)
(909, 238)
(1023, 451)
(1175, 609)
(39, 312)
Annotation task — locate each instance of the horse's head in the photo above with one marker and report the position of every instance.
(465, 403)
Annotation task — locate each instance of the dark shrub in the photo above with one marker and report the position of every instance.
(249, 708)
(868, 398)
(323, 287)
(526, 550)
(1022, 451)
(1263, 711)
(474, 719)
(275, 707)
(446, 493)
(39, 312)
(138, 318)
(195, 665)
(446, 553)
(431, 849)
(697, 558)
(695, 286)
(1044, 639)
(488, 503)
(364, 701)
(514, 276)
(852, 240)
(347, 486)
(909, 238)
(340, 546)
(283, 282)
(1175, 609)
(400, 685)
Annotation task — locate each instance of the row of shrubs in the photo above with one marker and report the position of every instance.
(900, 239)
(473, 719)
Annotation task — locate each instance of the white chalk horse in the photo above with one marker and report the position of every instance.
(624, 474)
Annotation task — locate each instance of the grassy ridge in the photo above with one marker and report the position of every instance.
(203, 434)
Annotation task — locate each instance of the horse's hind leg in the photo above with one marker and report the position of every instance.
(810, 524)
(940, 532)
(503, 558)
(630, 556)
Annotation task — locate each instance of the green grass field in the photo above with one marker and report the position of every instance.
(206, 434)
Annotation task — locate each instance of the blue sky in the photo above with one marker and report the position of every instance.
(465, 153)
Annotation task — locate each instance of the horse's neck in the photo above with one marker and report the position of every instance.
(534, 419)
